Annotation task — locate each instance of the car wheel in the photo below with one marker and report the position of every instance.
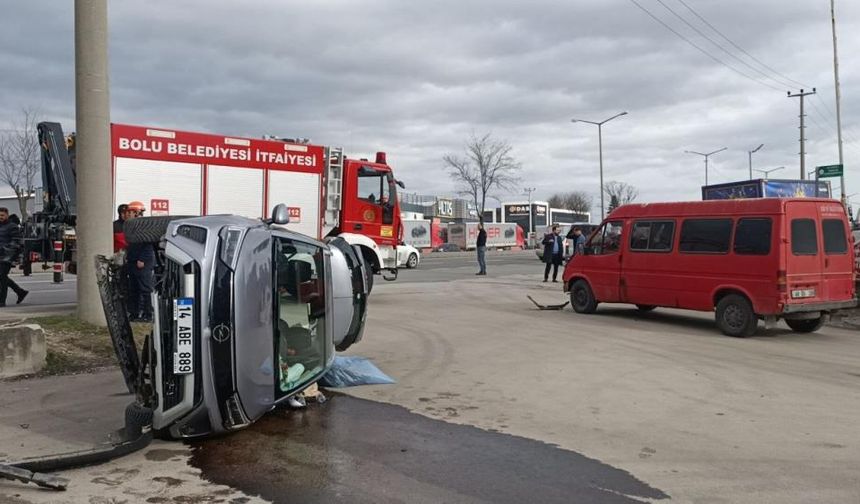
(582, 298)
(412, 261)
(806, 325)
(645, 307)
(735, 316)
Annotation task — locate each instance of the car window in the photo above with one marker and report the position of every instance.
(607, 240)
(300, 338)
(705, 236)
(653, 236)
(753, 236)
(835, 241)
(804, 240)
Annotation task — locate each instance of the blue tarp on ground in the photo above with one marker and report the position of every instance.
(349, 371)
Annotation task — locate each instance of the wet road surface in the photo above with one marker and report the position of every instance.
(359, 451)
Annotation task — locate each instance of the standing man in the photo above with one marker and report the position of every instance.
(140, 261)
(10, 236)
(118, 233)
(553, 253)
(578, 241)
(481, 247)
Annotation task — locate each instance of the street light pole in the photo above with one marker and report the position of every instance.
(766, 172)
(706, 156)
(529, 191)
(751, 153)
(600, 149)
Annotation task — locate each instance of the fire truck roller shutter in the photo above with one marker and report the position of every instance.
(297, 190)
(144, 180)
(232, 190)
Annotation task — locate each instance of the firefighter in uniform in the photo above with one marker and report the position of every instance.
(140, 261)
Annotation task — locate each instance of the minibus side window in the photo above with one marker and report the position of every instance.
(753, 236)
(804, 240)
(652, 236)
(705, 236)
(835, 241)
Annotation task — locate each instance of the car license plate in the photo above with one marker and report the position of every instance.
(183, 315)
(802, 293)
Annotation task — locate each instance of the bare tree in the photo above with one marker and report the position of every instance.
(487, 166)
(620, 193)
(577, 201)
(20, 158)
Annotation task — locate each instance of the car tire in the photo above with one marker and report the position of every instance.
(148, 229)
(735, 316)
(582, 297)
(412, 261)
(645, 307)
(806, 325)
(137, 417)
(368, 277)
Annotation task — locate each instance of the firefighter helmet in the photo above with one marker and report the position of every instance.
(137, 206)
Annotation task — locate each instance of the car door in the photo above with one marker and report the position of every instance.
(604, 265)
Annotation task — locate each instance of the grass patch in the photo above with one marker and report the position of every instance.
(74, 346)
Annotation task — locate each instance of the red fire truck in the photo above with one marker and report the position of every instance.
(184, 173)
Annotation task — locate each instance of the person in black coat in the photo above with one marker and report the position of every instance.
(10, 247)
(481, 248)
(553, 253)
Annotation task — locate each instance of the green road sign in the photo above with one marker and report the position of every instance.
(829, 171)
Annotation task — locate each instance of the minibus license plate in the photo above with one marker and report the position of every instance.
(183, 357)
(802, 293)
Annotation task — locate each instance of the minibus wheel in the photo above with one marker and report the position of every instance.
(735, 316)
(645, 307)
(582, 298)
(805, 326)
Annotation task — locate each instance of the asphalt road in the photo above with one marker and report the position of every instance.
(496, 401)
(45, 295)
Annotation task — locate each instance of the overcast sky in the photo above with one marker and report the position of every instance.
(416, 78)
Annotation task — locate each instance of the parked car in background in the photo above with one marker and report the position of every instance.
(407, 256)
(447, 247)
(744, 259)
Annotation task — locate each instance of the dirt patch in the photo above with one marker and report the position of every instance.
(75, 346)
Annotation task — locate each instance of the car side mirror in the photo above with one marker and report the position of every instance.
(401, 184)
(280, 215)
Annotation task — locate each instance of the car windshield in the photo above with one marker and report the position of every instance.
(300, 340)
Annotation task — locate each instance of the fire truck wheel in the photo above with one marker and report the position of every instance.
(805, 326)
(735, 316)
(148, 229)
(368, 277)
(582, 298)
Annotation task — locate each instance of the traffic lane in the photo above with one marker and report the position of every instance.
(44, 295)
(447, 268)
(663, 395)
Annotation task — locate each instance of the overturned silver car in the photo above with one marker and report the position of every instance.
(245, 315)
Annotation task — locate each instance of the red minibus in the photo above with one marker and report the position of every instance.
(745, 259)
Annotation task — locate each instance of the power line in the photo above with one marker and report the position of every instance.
(720, 47)
(697, 47)
(791, 82)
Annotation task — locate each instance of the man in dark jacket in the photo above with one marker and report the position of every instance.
(481, 247)
(118, 232)
(140, 263)
(10, 237)
(553, 253)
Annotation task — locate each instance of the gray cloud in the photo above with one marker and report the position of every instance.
(416, 79)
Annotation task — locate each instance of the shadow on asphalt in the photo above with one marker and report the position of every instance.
(358, 451)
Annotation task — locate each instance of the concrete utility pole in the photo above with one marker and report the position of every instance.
(706, 156)
(751, 153)
(838, 102)
(801, 95)
(529, 191)
(600, 150)
(93, 228)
